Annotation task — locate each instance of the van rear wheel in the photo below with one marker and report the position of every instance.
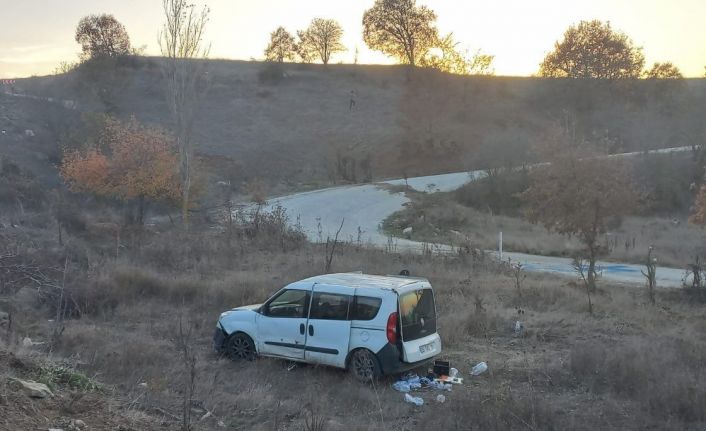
(240, 347)
(364, 365)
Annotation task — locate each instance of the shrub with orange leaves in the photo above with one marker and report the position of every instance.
(132, 163)
(86, 172)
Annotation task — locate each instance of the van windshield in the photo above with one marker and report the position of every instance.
(417, 314)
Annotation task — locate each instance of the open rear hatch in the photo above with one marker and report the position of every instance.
(417, 312)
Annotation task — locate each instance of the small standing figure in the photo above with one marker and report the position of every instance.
(351, 105)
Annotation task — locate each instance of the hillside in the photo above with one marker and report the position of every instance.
(301, 129)
(116, 317)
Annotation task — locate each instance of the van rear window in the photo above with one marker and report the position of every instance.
(365, 308)
(417, 314)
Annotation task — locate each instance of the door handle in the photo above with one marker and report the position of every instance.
(301, 328)
(311, 330)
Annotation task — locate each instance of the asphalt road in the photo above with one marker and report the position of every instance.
(359, 211)
(362, 208)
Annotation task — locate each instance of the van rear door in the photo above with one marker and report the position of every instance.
(417, 316)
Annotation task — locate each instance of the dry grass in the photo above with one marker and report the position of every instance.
(630, 366)
(603, 369)
(434, 217)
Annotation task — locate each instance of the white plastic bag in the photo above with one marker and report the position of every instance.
(440, 385)
(401, 386)
(414, 400)
(479, 369)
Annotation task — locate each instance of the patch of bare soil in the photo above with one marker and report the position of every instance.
(68, 409)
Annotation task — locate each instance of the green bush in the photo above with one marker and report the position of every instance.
(499, 192)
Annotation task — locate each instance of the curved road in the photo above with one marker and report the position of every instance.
(362, 208)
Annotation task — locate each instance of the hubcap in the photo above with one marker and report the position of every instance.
(240, 348)
(363, 366)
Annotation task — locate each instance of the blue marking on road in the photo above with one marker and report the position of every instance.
(619, 268)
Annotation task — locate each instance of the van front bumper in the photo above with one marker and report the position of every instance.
(218, 338)
(390, 362)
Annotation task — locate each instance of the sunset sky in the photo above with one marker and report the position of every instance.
(35, 35)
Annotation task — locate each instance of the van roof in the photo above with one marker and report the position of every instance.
(360, 280)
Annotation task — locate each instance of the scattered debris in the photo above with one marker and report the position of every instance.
(401, 386)
(519, 327)
(27, 342)
(479, 369)
(440, 385)
(409, 382)
(29, 132)
(442, 368)
(448, 381)
(414, 400)
(440, 399)
(31, 389)
(67, 424)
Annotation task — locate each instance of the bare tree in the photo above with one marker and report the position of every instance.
(331, 248)
(184, 344)
(181, 42)
(696, 271)
(651, 274)
(519, 275)
(585, 273)
(321, 39)
(699, 215)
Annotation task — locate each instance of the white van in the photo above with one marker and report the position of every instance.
(369, 324)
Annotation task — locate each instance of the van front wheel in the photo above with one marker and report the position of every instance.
(364, 365)
(240, 347)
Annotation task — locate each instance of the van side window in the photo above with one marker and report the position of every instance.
(329, 306)
(365, 308)
(290, 303)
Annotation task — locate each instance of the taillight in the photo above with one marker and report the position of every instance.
(392, 328)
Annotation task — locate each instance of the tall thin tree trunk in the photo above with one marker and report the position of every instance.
(186, 189)
(592, 273)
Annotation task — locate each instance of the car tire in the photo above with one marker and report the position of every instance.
(239, 347)
(364, 365)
